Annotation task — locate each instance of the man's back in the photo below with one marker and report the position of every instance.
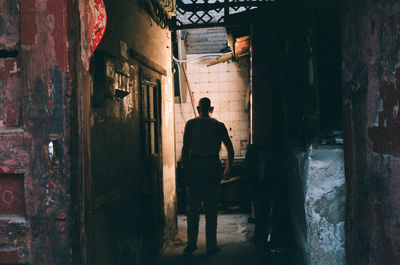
(206, 135)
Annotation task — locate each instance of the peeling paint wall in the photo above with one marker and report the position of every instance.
(370, 78)
(34, 110)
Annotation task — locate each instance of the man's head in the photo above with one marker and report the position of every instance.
(204, 108)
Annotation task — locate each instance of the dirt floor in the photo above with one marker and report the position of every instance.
(235, 236)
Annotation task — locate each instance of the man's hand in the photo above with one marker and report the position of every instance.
(227, 173)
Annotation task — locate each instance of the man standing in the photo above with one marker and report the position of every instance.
(200, 158)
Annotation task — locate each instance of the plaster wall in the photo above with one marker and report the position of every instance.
(148, 52)
(124, 222)
(144, 36)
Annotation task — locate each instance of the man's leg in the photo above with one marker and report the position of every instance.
(211, 203)
(192, 213)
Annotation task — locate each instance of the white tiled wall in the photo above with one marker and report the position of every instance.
(226, 84)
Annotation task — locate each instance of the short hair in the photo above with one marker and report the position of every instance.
(204, 104)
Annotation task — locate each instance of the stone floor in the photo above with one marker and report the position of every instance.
(234, 237)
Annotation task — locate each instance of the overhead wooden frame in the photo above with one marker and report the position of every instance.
(240, 47)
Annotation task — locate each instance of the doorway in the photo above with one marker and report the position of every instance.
(294, 113)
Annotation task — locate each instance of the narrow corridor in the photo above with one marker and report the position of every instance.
(235, 236)
(95, 96)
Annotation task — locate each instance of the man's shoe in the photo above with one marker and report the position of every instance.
(189, 249)
(213, 251)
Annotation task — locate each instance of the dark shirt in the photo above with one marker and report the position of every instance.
(203, 136)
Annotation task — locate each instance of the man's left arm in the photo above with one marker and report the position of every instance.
(229, 148)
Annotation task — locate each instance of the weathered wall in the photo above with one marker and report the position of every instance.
(34, 110)
(286, 119)
(132, 25)
(46, 97)
(116, 164)
(370, 78)
(299, 168)
(127, 222)
(318, 205)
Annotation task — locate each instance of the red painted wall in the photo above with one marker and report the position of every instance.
(34, 109)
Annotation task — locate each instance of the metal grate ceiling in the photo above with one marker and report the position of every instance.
(210, 13)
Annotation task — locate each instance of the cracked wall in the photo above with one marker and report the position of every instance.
(370, 80)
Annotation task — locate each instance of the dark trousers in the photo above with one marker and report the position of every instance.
(203, 185)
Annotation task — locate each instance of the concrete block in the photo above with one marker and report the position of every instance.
(319, 206)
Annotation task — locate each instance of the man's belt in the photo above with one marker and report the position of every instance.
(201, 156)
